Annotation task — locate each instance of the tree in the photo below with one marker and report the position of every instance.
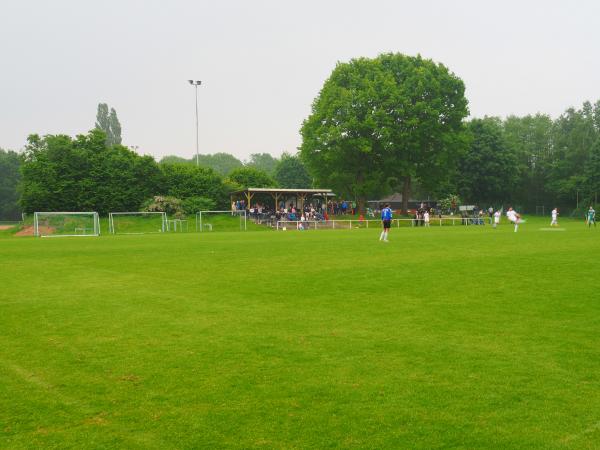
(487, 172)
(573, 135)
(115, 127)
(173, 159)
(64, 174)
(379, 122)
(291, 172)
(184, 181)
(592, 175)
(109, 123)
(264, 162)
(530, 139)
(10, 163)
(222, 163)
(247, 177)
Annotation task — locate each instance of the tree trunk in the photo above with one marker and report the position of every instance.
(360, 205)
(405, 194)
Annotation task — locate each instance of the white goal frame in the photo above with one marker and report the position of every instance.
(93, 214)
(111, 221)
(200, 228)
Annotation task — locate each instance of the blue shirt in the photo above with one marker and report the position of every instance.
(386, 214)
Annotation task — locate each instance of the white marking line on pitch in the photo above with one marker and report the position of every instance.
(552, 229)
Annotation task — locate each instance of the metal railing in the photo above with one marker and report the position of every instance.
(349, 224)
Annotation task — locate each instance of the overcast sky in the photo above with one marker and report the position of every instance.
(263, 62)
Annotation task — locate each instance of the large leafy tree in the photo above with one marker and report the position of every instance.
(381, 122)
(487, 171)
(109, 123)
(291, 172)
(9, 179)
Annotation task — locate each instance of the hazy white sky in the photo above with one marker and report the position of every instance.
(263, 62)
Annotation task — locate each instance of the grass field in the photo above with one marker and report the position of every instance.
(451, 337)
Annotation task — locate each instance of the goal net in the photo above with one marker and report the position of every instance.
(61, 224)
(221, 221)
(137, 222)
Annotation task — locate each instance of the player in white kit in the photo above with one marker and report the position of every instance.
(497, 215)
(554, 217)
(514, 217)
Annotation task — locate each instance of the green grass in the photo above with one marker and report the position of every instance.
(453, 337)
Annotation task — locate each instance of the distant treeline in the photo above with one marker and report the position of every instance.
(57, 172)
(532, 160)
(523, 161)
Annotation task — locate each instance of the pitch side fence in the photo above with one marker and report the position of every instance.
(348, 224)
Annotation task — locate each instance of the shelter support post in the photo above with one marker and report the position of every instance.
(249, 196)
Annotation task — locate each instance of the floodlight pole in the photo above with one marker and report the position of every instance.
(196, 83)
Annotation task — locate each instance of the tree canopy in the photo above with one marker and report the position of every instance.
(246, 177)
(108, 122)
(380, 122)
(263, 161)
(221, 163)
(10, 163)
(291, 173)
(488, 174)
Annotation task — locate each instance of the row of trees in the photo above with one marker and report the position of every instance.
(9, 179)
(392, 123)
(287, 172)
(397, 122)
(84, 173)
(533, 160)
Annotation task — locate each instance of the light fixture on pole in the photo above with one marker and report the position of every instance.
(196, 83)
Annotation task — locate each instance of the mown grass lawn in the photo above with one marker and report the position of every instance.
(459, 337)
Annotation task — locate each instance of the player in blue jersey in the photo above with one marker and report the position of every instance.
(386, 219)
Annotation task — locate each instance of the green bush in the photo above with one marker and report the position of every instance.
(192, 205)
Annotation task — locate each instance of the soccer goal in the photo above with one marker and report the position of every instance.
(221, 221)
(137, 222)
(63, 224)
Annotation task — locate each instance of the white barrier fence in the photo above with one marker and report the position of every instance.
(348, 224)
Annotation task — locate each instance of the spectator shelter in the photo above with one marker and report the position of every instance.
(299, 196)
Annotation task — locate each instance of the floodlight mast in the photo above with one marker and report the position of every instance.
(196, 83)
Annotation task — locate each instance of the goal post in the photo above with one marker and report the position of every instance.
(66, 224)
(137, 222)
(221, 221)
